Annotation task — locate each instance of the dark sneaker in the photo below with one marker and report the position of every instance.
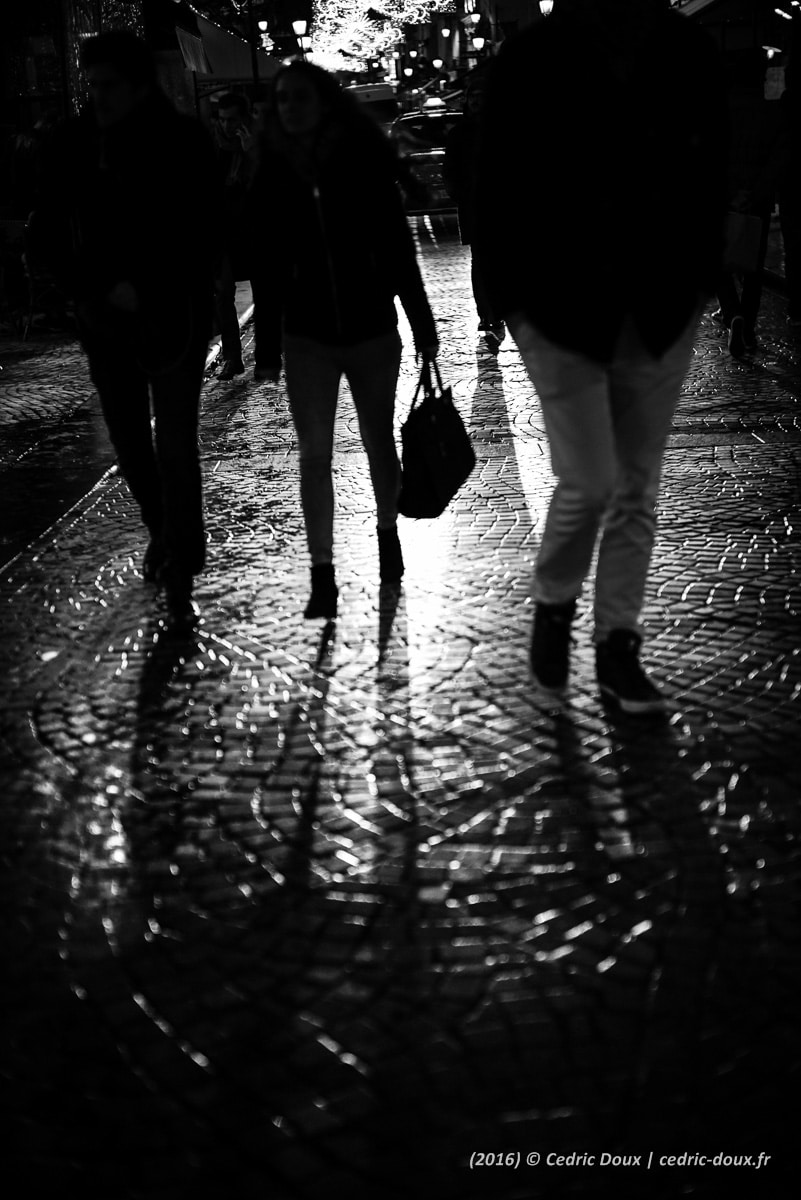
(494, 335)
(737, 346)
(153, 561)
(265, 374)
(324, 593)
(177, 583)
(620, 676)
(230, 368)
(550, 645)
(390, 556)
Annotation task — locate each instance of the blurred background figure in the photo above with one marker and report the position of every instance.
(234, 140)
(329, 220)
(790, 184)
(263, 108)
(599, 233)
(461, 160)
(757, 158)
(126, 220)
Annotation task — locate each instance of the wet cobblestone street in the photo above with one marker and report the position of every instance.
(299, 912)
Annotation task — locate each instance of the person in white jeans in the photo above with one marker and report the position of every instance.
(599, 233)
(607, 426)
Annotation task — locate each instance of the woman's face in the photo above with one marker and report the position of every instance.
(298, 105)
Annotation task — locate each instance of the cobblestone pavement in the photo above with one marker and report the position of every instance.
(296, 911)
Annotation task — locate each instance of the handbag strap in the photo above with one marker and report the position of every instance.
(424, 382)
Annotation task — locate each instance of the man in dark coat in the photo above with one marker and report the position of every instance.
(599, 232)
(127, 221)
(459, 171)
(757, 159)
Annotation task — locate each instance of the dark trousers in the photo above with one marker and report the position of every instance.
(262, 318)
(486, 315)
(160, 462)
(790, 215)
(740, 295)
(225, 310)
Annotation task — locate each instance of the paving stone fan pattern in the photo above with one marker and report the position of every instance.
(298, 910)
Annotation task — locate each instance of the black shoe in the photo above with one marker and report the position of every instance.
(550, 645)
(230, 368)
(153, 561)
(737, 346)
(390, 556)
(177, 583)
(264, 374)
(494, 335)
(620, 676)
(324, 593)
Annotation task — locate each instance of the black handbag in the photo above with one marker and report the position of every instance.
(437, 455)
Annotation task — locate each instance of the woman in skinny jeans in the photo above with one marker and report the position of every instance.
(336, 250)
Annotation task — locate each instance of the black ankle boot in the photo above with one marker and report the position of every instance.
(153, 561)
(324, 593)
(390, 557)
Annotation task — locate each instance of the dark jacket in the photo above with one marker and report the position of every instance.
(333, 244)
(757, 150)
(235, 169)
(138, 202)
(602, 179)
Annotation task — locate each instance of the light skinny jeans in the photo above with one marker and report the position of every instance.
(314, 372)
(607, 426)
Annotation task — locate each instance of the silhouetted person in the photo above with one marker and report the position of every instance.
(340, 250)
(127, 222)
(234, 143)
(601, 199)
(790, 184)
(756, 161)
(461, 161)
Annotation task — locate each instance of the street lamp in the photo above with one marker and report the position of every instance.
(299, 28)
(546, 7)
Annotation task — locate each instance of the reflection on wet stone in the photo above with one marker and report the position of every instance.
(298, 910)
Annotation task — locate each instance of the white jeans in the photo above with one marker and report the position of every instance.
(607, 426)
